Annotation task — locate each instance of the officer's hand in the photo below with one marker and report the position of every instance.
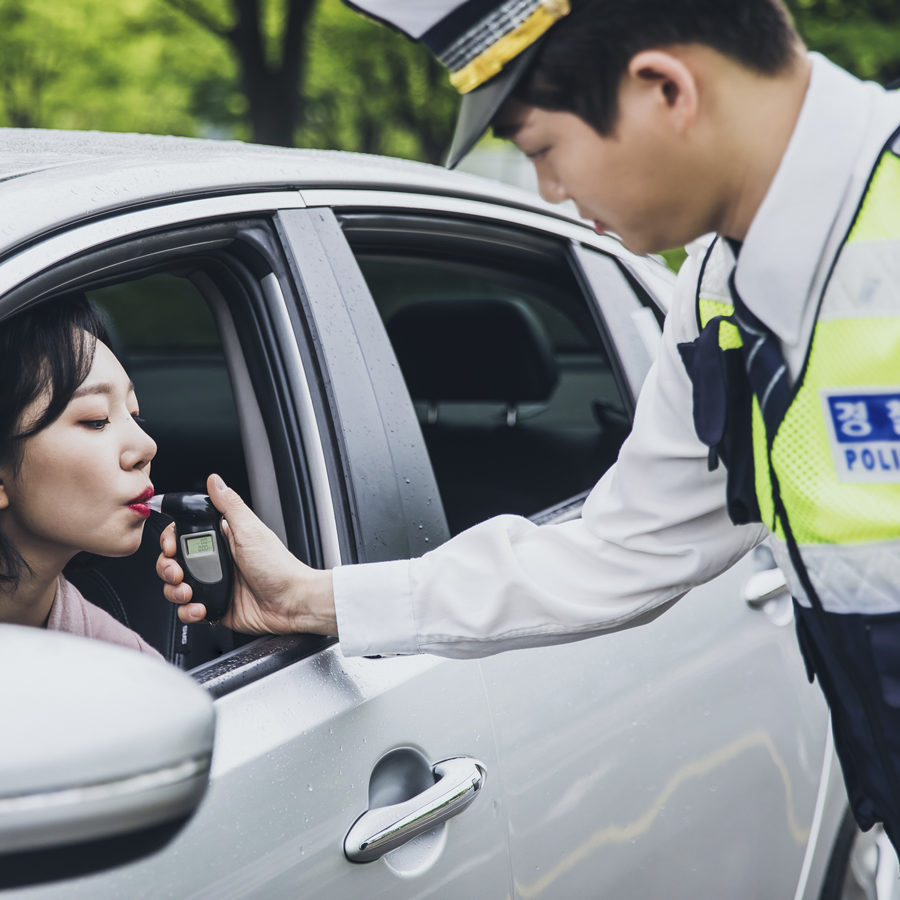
(274, 593)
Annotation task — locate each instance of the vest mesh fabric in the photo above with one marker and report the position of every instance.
(850, 347)
(823, 510)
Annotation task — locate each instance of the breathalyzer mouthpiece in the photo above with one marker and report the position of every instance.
(186, 507)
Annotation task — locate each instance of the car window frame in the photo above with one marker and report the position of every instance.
(391, 504)
(134, 242)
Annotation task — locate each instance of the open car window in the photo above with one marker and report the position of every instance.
(194, 333)
(165, 336)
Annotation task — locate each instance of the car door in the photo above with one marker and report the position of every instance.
(306, 740)
(679, 759)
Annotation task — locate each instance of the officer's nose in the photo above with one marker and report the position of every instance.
(551, 188)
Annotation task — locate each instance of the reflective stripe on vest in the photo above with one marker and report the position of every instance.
(836, 453)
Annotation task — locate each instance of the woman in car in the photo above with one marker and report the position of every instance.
(74, 466)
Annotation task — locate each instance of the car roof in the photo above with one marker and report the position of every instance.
(53, 179)
(48, 178)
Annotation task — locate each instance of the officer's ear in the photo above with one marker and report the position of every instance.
(665, 87)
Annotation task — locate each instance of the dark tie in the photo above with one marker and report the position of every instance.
(764, 363)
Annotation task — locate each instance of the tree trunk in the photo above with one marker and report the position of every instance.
(273, 90)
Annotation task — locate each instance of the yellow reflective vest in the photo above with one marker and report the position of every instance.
(827, 478)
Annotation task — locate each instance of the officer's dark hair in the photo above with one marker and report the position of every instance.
(46, 351)
(581, 63)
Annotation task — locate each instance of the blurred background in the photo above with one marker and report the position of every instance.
(301, 73)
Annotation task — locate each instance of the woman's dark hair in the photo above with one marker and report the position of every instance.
(581, 63)
(46, 351)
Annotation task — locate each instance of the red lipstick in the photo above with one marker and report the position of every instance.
(139, 504)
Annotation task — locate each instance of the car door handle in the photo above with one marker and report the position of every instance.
(761, 587)
(378, 831)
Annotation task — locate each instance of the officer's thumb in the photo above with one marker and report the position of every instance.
(238, 516)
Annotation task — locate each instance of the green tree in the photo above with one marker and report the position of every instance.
(91, 64)
(372, 90)
(28, 65)
(319, 75)
(862, 36)
(269, 44)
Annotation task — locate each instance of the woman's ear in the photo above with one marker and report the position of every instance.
(4, 496)
(672, 84)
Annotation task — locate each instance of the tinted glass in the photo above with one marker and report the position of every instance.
(518, 402)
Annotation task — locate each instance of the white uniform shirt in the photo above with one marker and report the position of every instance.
(656, 525)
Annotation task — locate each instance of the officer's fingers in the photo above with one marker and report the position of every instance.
(169, 570)
(192, 612)
(167, 541)
(178, 593)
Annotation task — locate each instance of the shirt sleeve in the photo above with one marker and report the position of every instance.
(654, 527)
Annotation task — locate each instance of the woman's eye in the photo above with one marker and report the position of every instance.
(137, 418)
(95, 424)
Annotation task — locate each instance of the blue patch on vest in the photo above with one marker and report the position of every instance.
(864, 431)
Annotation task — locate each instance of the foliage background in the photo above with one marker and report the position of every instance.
(147, 66)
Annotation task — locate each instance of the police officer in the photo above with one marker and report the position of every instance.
(774, 407)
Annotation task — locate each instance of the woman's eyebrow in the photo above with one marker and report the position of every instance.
(102, 388)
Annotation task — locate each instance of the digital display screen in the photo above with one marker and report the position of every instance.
(201, 544)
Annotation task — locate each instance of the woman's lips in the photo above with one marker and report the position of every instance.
(138, 505)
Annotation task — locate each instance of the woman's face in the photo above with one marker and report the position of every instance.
(82, 479)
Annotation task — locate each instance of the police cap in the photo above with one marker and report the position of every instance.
(487, 46)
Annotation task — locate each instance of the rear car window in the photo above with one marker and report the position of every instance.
(519, 405)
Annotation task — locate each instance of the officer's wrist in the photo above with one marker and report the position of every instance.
(312, 606)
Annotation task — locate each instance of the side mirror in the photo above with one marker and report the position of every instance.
(100, 745)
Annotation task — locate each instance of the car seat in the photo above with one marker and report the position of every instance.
(492, 355)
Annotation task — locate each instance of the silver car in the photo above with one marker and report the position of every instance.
(377, 355)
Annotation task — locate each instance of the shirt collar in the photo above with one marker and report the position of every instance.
(781, 254)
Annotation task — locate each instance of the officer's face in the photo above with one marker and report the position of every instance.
(635, 182)
(683, 157)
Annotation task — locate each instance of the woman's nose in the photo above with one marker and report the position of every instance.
(141, 449)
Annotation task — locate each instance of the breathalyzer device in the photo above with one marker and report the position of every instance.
(201, 549)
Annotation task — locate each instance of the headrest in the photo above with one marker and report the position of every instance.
(475, 350)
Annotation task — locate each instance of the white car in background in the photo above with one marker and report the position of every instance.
(378, 354)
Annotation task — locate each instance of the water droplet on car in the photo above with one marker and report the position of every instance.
(309, 787)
